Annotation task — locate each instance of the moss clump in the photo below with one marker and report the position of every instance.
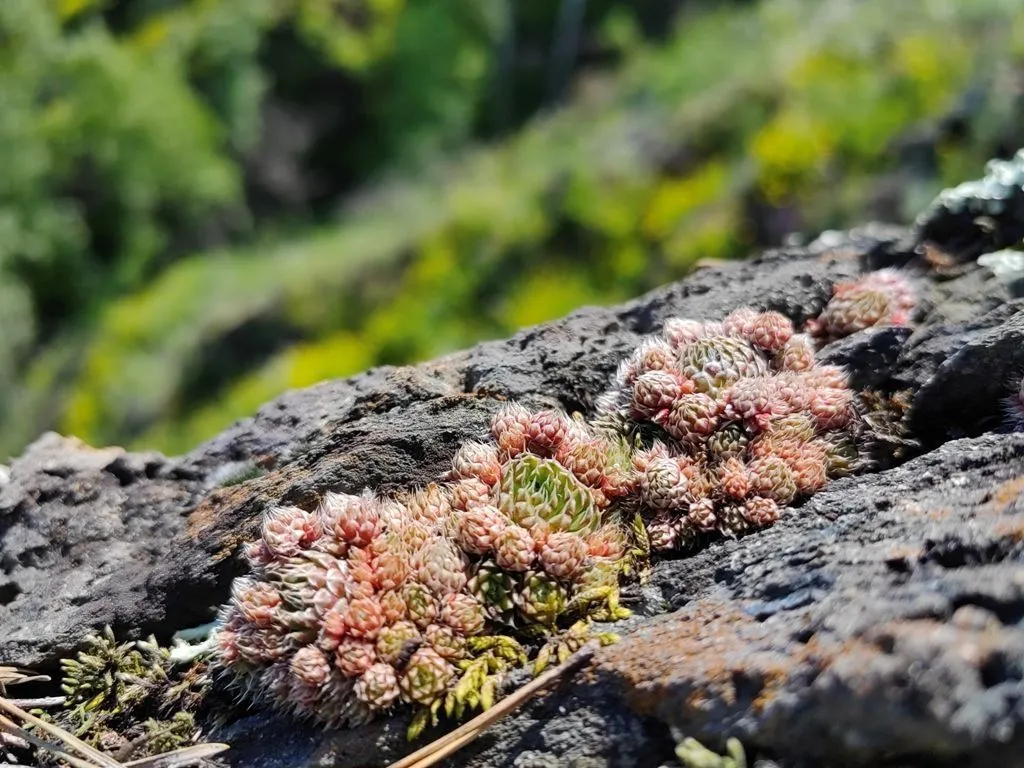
(129, 699)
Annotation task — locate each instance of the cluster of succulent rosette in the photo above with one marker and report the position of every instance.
(368, 602)
(884, 297)
(428, 598)
(737, 420)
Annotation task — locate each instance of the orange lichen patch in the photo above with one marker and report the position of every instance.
(1011, 528)
(939, 513)
(709, 655)
(913, 509)
(220, 501)
(233, 514)
(921, 637)
(1005, 495)
(902, 555)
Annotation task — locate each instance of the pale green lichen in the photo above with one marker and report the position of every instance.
(987, 196)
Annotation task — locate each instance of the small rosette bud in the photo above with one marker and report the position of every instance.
(651, 355)
(421, 607)
(797, 355)
(740, 322)
(440, 567)
(733, 480)
(463, 613)
(679, 331)
(493, 587)
(289, 530)
(642, 459)
(540, 599)
(470, 493)
(732, 520)
(353, 657)
(772, 478)
(702, 515)
(511, 428)
(770, 331)
(755, 401)
(662, 534)
(391, 568)
(546, 432)
(377, 687)
(364, 618)
(729, 441)
(692, 418)
(397, 642)
(443, 639)
(562, 556)
(478, 529)
(587, 459)
(656, 391)
(609, 541)
(515, 549)
(310, 665)
(429, 505)
(477, 460)
(256, 601)
(426, 677)
(352, 519)
(808, 464)
(258, 554)
(760, 511)
(663, 486)
(392, 605)
(831, 408)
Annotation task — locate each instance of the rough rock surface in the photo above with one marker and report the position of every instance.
(882, 621)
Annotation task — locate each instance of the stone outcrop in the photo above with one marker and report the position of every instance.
(881, 620)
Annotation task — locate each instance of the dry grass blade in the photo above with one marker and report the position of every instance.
(179, 758)
(457, 739)
(43, 703)
(12, 728)
(15, 676)
(72, 741)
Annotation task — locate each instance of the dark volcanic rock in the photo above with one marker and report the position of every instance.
(880, 621)
(81, 530)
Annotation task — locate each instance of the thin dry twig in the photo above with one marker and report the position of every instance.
(10, 727)
(179, 758)
(15, 676)
(97, 757)
(464, 734)
(41, 703)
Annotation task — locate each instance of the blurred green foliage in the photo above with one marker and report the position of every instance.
(206, 202)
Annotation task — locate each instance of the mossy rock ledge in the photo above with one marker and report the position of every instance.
(880, 623)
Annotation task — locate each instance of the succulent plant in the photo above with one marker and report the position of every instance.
(711, 429)
(737, 419)
(885, 297)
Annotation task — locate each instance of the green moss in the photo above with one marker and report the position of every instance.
(127, 698)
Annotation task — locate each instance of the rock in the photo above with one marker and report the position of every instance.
(879, 621)
(979, 216)
(81, 531)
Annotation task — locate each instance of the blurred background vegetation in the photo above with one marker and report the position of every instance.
(204, 203)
